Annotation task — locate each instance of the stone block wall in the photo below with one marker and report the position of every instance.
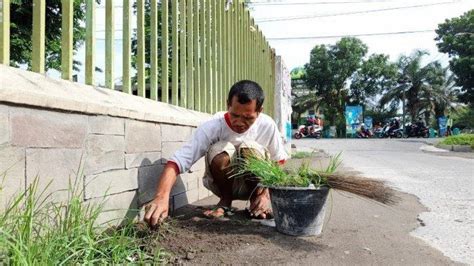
(113, 154)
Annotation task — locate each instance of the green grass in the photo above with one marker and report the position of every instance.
(301, 155)
(271, 174)
(36, 231)
(463, 139)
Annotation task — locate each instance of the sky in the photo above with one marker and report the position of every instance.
(326, 18)
(334, 18)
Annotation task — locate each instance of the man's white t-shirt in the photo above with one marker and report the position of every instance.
(263, 131)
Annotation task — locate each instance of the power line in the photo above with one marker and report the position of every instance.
(346, 35)
(348, 13)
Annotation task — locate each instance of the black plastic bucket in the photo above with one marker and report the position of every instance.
(299, 211)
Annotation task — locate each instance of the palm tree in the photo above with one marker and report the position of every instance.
(442, 95)
(426, 89)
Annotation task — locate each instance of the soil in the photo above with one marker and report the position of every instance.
(356, 231)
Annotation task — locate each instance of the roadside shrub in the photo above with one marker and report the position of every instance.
(36, 231)
(463, 139)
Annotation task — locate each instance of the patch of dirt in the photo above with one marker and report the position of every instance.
(190, 237)
(356, 231)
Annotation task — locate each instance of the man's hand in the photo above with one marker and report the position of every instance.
(156, 211)
(260, 204)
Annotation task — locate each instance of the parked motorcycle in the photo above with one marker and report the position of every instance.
(416, 130)
(378, 132)
(364, 133)
(314, 131)
(387, 132)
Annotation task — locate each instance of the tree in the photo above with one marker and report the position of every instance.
(464, 117)
(456, 38)
(375, 75)
(426, 89)
(380, 114)
(442, 95)
(328, 71)
(21, 24)
(297, 73)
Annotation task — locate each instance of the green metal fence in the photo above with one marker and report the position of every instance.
(209, 44)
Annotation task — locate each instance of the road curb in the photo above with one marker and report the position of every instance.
(431, 148)
(455, 148)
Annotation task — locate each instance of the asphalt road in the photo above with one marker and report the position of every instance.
(443, 182)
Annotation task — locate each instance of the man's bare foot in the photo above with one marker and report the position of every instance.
(222, 207)
(260, 206)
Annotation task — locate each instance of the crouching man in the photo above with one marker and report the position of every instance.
(222, 139)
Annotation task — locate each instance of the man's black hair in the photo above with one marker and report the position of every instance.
(246, 91)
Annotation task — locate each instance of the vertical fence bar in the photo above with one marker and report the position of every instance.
(258, 52)
(174, 53)
(127, 49)
(154, 50)
(271, 84)
(241, 39)
(253, 51)
(39, 13)
(229, 43)
(190, 55)
(262, 69)
(214, 57)
(237, 40)
(265, 76)
(202, 44)
(230, 62)
(164, 52)
(141, 48)
(273, 80)
(182, 54)
(109, 44)
(90, 42)
(209, 91)
(5, 33)
(269, 77)
(244, 42)
(220, 99)
(225, 52)
(248, 44)
(196, 63)
(232, 46)
(228, 36)
(66, 39)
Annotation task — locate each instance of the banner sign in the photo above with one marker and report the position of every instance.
(353, 116)
(368, 122)
(443, 125)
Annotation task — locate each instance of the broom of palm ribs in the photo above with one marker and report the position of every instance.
(364, 187)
